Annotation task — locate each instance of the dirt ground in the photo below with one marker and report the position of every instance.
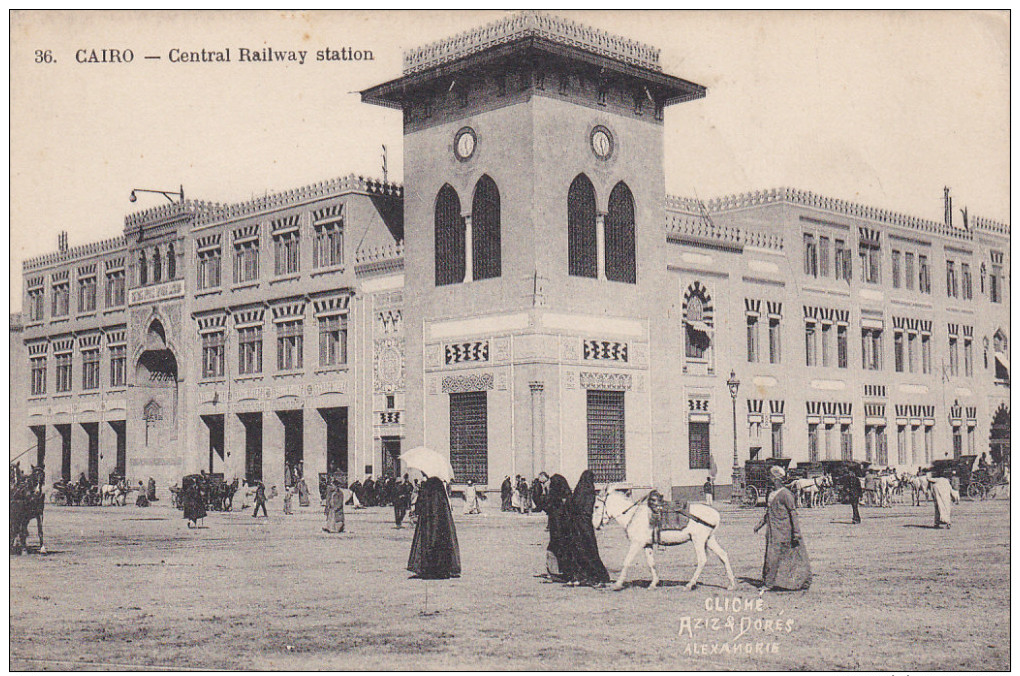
(124, 587)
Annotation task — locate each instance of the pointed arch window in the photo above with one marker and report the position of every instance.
(143, 269)
(171, 263)
(485, 230)
(698, 313)
(620, 263)
(581, 237)
(449, 233)
(157, 266)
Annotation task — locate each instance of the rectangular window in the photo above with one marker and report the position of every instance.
(752, 338)
(898, 351)
(812, 444)
(38, 375)
(249, 350)
(810, 256)
(901, 445)
(871, 349)
(929, 443)
(606, 435)
(90, 370)
(967, 282)
(912, 352)
(87, 294)
(775, 344)
(810, 344)
(826, 345)
(954, 357)
(289, 345)
(968, 357)
(923, 275)
(957, 442)
(209, 264)
(288, 252)
(951, 279)
(871, 264)
(329, 244)
(115, 288)
(699, 453)
(995, 284)
(844, 267)
(842, 356)
(925, 353)
(36, 304)
(333, 340)
(64, 372)
(212, 355)
(61, 299)
(908, 270)
(823, 256)
(881, 447)
(846, 442)
(469, 436)
(777, 440)
(896, 269)
(971, 441)
(118, 365)
(246, 261)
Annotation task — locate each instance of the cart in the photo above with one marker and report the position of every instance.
(958, 471)
(758, 480)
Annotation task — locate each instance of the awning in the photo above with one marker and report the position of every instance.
(700, 327)
(1002, 359)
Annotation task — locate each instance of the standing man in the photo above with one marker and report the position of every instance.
(471, 505)
(260, 500)
(852, 484)
(505, 492)
(538, 491)
(709, 491)
(786, 563)
(401, 501)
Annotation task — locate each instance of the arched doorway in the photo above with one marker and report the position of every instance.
(156, 377)
(999, 438)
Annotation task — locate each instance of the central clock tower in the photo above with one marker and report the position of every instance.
(534, 251)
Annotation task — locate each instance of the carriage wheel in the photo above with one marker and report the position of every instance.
(750, 498)
(976, 490)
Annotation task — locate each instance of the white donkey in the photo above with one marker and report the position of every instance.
(634, 517)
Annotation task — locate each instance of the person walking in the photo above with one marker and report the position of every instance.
(401, 501)
(333, 508)
(471, 505)
(559, 562)
(786, 563)
(709, 490)
(584, 547)
(538, 491)
(435, 553)
(260, 500)
(505, 494)
(852, 485)
(942, 496)
(304, 499)
(288, 497)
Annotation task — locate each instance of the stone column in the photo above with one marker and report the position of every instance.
(469, 263)
(272, 452)
(79, 451)
(315, 450)
(108, 453)
(600, 243)
(55, 455)
(537, 427)
(234, 438)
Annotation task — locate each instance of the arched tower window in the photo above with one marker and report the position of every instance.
(171, 262)
(620, 263)
(143, 269)
(581, 245)
(157, 266)
(698, 313)
(485, 234)
(449, 238)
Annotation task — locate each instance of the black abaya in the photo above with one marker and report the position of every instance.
(559, 559)
(435, 553)
(584, 547)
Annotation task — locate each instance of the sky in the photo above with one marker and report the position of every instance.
(881, 108)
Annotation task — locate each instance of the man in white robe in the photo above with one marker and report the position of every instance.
(942, 491)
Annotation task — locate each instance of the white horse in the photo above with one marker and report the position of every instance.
(809, 491)
(634, 518)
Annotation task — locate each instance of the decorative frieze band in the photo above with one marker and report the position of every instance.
(474, 382)
(605, 350)
(474, 351)
(605, 381)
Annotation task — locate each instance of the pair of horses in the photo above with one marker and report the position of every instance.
(635, 518)
(27, 501)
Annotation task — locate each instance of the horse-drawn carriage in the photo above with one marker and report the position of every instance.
(985, 481)
(836, 492)
(974, 485)
(758, 480)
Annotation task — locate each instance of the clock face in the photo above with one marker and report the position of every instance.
(464, 143)
(602, 143)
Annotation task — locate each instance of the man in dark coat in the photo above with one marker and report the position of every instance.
(435, 553)
(589, 568)
(852, 485)
(505, 494)
(151, 490)
(370, 497)
(559, 562)
(260, 500)
(537, 493)
(401, 501)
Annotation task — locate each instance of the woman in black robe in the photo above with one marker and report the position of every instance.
(588, 566)
(435, 553)
(558, 560)
(194, 501)
(505, 492)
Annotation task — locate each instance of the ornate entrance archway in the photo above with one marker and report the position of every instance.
(999, 438)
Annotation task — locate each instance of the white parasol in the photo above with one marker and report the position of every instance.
(428, 462)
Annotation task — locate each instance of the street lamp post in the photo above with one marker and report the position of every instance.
(737, 488)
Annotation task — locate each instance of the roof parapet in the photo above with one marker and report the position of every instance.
(75, 253)
(531, 24)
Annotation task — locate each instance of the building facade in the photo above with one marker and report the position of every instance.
(530, 300)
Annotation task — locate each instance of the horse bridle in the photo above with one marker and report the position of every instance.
(605, 497)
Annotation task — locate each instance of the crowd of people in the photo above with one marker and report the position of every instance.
(521, 496)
